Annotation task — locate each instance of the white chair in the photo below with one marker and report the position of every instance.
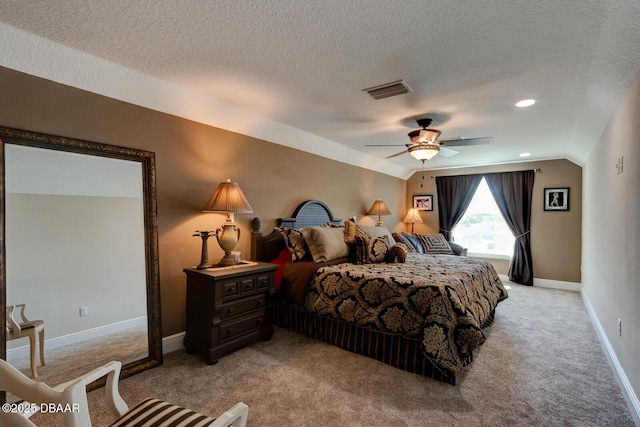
(72, 395)
(26, 328)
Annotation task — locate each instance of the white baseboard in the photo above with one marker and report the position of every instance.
(557, 284)
(548, 283)
(76, 337)
(172, 343)
(627, 390)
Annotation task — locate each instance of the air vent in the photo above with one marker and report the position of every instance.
(388, 89)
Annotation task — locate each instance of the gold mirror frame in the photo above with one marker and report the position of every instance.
(147, 160)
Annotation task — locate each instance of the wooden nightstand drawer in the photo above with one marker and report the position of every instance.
(263, 282)
(229, 289)
(247, 285)
(242, 306)
(234, 328)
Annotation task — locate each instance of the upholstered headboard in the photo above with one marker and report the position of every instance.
(307, 214)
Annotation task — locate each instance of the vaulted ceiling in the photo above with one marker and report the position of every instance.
(293, 71)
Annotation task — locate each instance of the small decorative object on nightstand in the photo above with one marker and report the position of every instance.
(204, 254)
(228, 307)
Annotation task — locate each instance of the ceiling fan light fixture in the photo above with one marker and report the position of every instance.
(424, 151)
(424, 136)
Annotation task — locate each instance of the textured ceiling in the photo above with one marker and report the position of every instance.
(292, 71)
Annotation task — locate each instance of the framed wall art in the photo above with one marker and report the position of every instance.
(423, 202)
(556, 199)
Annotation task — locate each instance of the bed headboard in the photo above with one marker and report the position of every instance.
(308, 214)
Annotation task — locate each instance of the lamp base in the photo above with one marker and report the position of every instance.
(204, 266)
(232, 258)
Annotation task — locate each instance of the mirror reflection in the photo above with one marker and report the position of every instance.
(77, 264)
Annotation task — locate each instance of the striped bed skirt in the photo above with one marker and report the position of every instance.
(395, 350)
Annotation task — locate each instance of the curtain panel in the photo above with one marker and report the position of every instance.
(513, 193)
(454, 195)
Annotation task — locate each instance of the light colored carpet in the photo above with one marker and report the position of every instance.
(542, 365)
(71, 361)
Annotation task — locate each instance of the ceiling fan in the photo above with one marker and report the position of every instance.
(425, 143)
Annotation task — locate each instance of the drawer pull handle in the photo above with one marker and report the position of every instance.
(229, 290)
(263, 283)
(230, 310)
(247, 287)
(258, 321)
(229, 331)
(259, 302)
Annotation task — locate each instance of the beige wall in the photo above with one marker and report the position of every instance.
(611, 234)
(191, 159)
(555, 236)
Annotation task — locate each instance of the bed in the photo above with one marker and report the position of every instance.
(424, 315)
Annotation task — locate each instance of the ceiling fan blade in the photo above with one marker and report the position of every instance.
(460, 142)
(397, 154)
(447, 152)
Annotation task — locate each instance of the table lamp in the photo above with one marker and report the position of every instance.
(412, 217)
(230, 199)
(379, 208)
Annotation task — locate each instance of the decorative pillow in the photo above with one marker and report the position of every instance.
(397, 253)
(326, 243)
(415, 242)
(457, 249)
(283, 258)
(374, 231)
(294, 239)
(401, 238)
(435, 244)
(371, 249)
(350, 232)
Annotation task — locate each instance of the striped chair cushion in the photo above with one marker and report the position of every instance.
(158, 413)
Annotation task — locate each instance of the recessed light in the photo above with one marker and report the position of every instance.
(525, 103)
(525, 154)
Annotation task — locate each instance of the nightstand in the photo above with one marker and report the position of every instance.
(228, 307)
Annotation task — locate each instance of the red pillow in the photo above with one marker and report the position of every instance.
(283, 258)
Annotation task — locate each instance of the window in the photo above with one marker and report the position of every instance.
(482, 229)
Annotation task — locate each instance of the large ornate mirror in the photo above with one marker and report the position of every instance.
(80, 251)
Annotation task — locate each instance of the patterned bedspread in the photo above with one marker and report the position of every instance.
(442, 300)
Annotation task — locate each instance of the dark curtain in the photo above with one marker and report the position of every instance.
(512, 192)
(454, 195)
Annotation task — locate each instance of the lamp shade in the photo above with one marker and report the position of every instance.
(413, 216)
(424, 152)
(228, 197)
(379, 207)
